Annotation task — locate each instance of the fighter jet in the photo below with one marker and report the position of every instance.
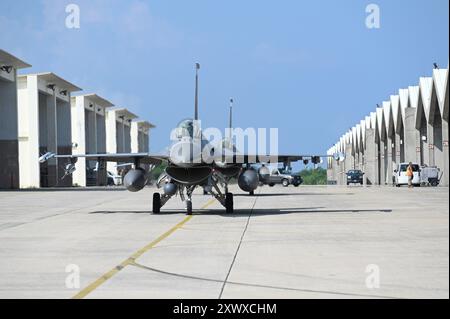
(192, 161)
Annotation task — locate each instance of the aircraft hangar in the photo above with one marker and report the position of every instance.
(40, 115)
(44, 116)
(118, 133)
(410, 126)
(9, 145)
(89, 136)
(140, 130)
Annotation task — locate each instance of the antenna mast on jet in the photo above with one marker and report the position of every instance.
(197, 67)
(230, 123)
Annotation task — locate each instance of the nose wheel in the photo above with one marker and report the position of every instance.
(229, 205)
(156, 203)
(188, 207)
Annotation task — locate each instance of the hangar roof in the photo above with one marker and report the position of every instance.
(50, 77)
(440, 77)
(426, 90)
(413, 96)
(98, 100)
(144, 124)
(9, 59)
(387, 116)
(395, 107)
(373, 120)
(121, 111)
(404, 101)
(380, 117)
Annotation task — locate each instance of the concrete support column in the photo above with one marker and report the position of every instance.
(79, 137)
(397, 150)
(445, 177)
(28, 112)
(370, 158)
(361, 161)
(342, 180)
(349, 160)
(389, 153)
(437, 147)
(411, 136)
(430, 143)
(336, 172)
(382, 159)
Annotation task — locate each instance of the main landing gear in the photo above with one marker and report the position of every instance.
(186, 191)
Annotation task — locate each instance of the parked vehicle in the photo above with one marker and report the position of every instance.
(402, 179)
(91, 178)
(280, 177)
(114, 179)
(355, 176)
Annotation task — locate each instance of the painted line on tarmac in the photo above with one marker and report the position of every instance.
(130, 260)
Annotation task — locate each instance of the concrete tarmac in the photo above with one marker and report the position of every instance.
(305, 242)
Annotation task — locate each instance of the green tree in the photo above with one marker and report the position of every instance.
(157, 171)
(314, 176)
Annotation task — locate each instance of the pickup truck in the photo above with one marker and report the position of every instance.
(283, 178)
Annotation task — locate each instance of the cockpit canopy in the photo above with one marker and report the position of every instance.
(185, 128)
(188, 128)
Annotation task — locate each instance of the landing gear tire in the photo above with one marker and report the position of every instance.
(229, 203)
(285, 183)
(188, 207)
(156, 203)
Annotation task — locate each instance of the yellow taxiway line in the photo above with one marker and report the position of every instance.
(95, 284)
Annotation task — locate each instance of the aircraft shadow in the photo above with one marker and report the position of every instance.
(66, 189)
(290, 194)
(255, 212)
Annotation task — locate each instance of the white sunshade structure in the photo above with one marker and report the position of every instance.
(140, 135)
(118, 132)
(88, 135)
(9, 159)
(44, 126)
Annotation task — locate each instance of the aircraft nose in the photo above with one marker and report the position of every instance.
(185, 153)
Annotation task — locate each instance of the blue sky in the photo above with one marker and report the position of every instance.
(310, 68)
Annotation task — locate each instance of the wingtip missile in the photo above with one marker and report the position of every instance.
(47, 156)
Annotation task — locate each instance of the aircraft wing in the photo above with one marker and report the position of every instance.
(255, 159)
(143, 158)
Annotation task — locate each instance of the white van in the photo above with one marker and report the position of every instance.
(400, 174)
